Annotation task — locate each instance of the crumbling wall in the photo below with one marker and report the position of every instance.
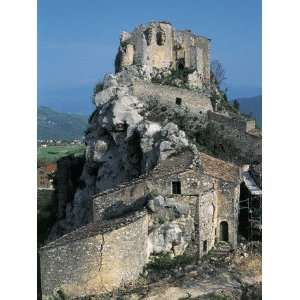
(152, 45)
(228, 139)
(230, 122)
(95, 263)
(168, 95)
(158, 45)
(195, 50)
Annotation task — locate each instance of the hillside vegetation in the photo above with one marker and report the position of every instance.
(57, 125)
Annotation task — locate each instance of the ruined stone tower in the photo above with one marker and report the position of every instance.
(158, 45)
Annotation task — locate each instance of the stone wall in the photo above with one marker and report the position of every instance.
(234, 123)
(241, 134)
(250, 125)
(194, 100)
(133, 196)
(195, 50)
(206, 222)
(96, 258)
(228, 208)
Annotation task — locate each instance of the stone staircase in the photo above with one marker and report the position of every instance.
(221, 250)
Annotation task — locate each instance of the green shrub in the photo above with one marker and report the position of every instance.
(165, 262)
(98, 88)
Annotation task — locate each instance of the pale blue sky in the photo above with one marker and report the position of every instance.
(78, 40)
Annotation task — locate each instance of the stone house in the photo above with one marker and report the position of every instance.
(113, 249)
(208, 185)
(45, 175)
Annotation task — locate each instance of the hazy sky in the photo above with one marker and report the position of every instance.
(78, 39)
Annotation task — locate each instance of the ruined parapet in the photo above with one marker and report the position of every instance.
(232, 122)
(159, 46)
(96, 258)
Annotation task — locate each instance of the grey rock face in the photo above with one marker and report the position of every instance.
(172, 237)
(122, 143)
(172, 226)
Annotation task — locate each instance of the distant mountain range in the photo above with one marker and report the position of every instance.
(75, 100)
(56, 125)
(253, 106)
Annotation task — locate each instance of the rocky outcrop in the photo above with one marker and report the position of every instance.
(122, 143)
(171, 226)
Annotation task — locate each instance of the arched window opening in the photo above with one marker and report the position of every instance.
(160, 38)
(148, 35)
(224, 231)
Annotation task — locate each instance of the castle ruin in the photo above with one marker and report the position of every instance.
(158, 45)
(145, 188)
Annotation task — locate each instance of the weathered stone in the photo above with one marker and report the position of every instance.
(158, 45)
(96, 258)
(132, 153)
(159, 201)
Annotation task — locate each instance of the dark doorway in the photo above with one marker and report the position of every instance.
(178, 101)
(224, 231)
(205, 246)
(181, 64)
(176, 187)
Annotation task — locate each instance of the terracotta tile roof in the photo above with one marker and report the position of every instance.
(50, 168)
(219, 168)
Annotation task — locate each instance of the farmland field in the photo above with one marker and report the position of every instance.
(53, 153)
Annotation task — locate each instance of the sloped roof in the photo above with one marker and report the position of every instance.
(96, 228)
(219, 169)
(174, 164)
(183, 162)
(50, 168)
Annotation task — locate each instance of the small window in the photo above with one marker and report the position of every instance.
(176, 187)
(205, 246)
(178, 101)
(160, 38)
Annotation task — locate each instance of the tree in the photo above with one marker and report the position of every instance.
(236, 105)
(98, 88)
(217, 72)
